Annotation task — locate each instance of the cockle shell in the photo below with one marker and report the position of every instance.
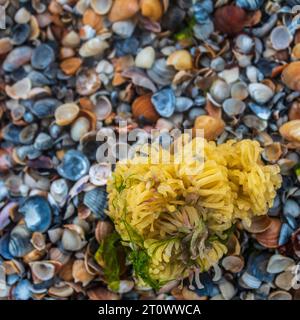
(99, 173)
(212, 127)
(258, 224)
(180, 60)
(291, 76)
(151, 9)
(142, 108)
(123, 10)
(291, 130)
(103, 107)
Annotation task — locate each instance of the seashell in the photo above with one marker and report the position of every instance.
(74, 165)
(80, 273)
(42, 56)
(269, 237)
(43, 141)
(79, 128)
(151, 9)
(249, 281)
(290, 131)
(233, 107)
(59, 255)
(20, 33)
(183, 104)
(272, 152)
(22, 16)
(87, 82)
(160, 73)
(35, 28)
(42, 270)
(258, 224)
(38, 240)
(284, 280)
(124, 29)
(180, 60)
(291, 208)
(44, 108)
(59, 191)
(93, 47)
(263, 113)
(220, 90)
(230, 75)
(239, 90)
(101, 7)
(5, 45)
(55, 235)
(279, 263)
(145, 58)
(261, 93)
(37, 213)
(123, 11)
(23, 290)
(280, 295)
(71, 39)
(252, 121)
(294, 111)
(212, 127)
(71, 240)
(20, 90)
(71, 65)
(66, 113)
(281, 38)
(96, 201)
(290, 76)
(99, 173)
(61, 290)
(143, 109)
(244, 44)
(103, 229)
(125, 286)
(103, 107)
(17, 58)
(139, 78)
(233, 264)
(230, 19)
(164, 102)
(19, 241)
(249, 4)
(227, 289)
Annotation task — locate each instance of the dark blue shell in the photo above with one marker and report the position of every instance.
(250, 4)
(4, 251)
(37, 213)
(42, 56)
(96, 201)
(20, 33)
(257, 266)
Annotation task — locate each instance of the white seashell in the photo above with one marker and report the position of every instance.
(250, 281)
(280, 295)
(244, 60)
(260, 92)
(101, 7)
(59, 191)
(71, 39)
(100, 173)
(124, 28)
(104, 67)
(230, 75)
(233, 107)
(220, 90)
(22, 16)
(79, 128)
(71, 240)
(20, 90)
(145, 58)
(239, 90)
(244, 43)
(279, 263)
(285, 280)
(227, 289)
(252, 74)
(42, 270)
(93, 47)
(281, 38)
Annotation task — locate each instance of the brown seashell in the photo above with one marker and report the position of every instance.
(142, 108)
(5, 45)
(66, 114)
(34, 27)
(34, 255)
(66, 271)
(294, 112)
(123, 10)
(291, 131)
(212, 110)
(291, 76)
(38, 240)
(233, 264)
(71, 65)
(103, 229)
(212, 127)
(230, 19)
(269, 238)
(80, 273)
(100, 293)
(296, 51)
(61, 290)
(233, 246)
(151, 9)
(180, 60)
(92, 19)
(272, 152)
(258, 224)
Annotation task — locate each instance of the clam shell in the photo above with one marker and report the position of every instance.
(145, 58)
(244, 44)
(93, 47)
(227, 289)
(142, 108)
(290, 76)
(123, 11)
(42, 56)
(124, 28)
(180, 60)
(269, 238)
(258, 224)
(250, 281)
(71, 39)
(281, 38)
(71, 240)
(151, 9)
(285, 280)
(79, 128)
(20, 90)
(42, 270)
(103, 107)
(17, 58)
(19, 243)
(80, 273)
(22, 16)
(87, 82)
(260, 92)
(164, 102)
(220, 90)
(280, 295)
(45, 108)
(103, 229)
(62, 290)
(212, 127)
(291, 131)
(96, 201)
(66, 113)
(233, 264)
(100, 173)
(59, 191)
(71, 65)
(5, 45)
(233, 107)
(279, 263)
(239, 90)
(101, 7)
(160, 73)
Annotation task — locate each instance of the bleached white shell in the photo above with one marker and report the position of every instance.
(260, 92)
(145, 58)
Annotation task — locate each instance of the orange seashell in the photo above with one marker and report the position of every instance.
(122, 10)
(272, 152)
(91, 18)
(55, 8)
(212, 110)
(71, 65)
(212, 127)
(180, 60)
(142, 108)
(291, 130)
(86, 103)
(118, 79)
(277, 70)
(269, 238)
(152, 9)
(91, 116)
(294, 112)
(291, 76)
(230, 19)
(258, 224)
(80, 273)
